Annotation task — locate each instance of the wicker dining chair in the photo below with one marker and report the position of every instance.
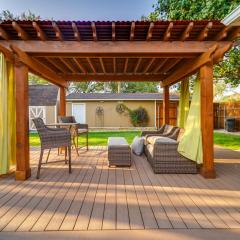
(52, 138)
(76, 130)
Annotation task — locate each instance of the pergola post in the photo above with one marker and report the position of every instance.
(166, 105)
(206, 79)
(23, 170)
(62, 102)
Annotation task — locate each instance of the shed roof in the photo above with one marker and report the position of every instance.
(117, 96)
(43, 95)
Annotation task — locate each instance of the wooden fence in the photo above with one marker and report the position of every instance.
(222, 111)
(173, 107)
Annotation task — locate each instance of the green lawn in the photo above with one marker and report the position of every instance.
(227, 140)
(100, 138)
(95, 138)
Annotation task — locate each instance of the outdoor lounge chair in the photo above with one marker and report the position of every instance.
(52, 138)
(76, 130)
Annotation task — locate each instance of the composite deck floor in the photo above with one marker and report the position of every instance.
(95, 197)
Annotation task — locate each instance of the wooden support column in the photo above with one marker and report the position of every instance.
(166, 105)
(206, 78)
(62, 102)
(23, 170)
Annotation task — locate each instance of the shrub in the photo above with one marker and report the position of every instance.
(139, 117)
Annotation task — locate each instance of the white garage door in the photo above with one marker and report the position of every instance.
(79, 112)
(35, 112)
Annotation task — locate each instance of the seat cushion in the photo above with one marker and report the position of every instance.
(137, 145)
(158, 140)
(117, 142)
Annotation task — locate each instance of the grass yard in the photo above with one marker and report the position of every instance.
(227, 140)
(95, 138)
(100, 138)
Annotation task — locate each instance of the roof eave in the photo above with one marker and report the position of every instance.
(232, 18)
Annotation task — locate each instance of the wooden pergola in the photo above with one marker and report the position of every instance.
(161, 51)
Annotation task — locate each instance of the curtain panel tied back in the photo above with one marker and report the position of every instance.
(190, 146)
(183, 107)
(7, 116)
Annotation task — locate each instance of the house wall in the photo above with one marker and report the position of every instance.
(111, 117)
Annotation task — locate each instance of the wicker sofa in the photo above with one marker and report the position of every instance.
(162, 154)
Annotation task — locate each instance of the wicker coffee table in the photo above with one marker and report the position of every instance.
(119, 152)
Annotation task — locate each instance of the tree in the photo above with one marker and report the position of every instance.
(34, 79)
(6, 15)
(229, 68)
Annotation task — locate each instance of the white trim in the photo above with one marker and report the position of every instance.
(84, 108)
(233, 18)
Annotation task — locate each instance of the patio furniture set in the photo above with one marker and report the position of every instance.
(160, 147)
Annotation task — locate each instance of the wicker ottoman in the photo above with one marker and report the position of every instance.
(119, 152)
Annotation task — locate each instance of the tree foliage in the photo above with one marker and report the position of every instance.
(112, 87)
(192, 9)
(229, 68)
(6, 15)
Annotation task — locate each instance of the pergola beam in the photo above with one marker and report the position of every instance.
(113, 31)
(234, 34)
(7, 53)
(150, 29)
(102, 65)
(39, 68)
(114, 65)
(221, 35)
(68, 65)
(137, 65)
(170, 64)
(79, 65)
(55, 64)
(157, 69)
(94, 31)
(132, 31)
(57, 31)
(188, 68)
(108, 48)
(4, 34)
(76, 32)
(41, 35)
(21, 33)
(167, 34)
(149, 65)
(187, 31)
(91, 65)
(125, 65)
(204, 33)
(113, 77)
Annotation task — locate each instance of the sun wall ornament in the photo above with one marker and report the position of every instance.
(120, 108)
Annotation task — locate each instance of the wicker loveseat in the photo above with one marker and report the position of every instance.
(162, 154)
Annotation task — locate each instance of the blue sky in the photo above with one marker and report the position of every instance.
(81, 9)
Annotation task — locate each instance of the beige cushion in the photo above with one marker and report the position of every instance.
(157, 139)
(180, 135)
